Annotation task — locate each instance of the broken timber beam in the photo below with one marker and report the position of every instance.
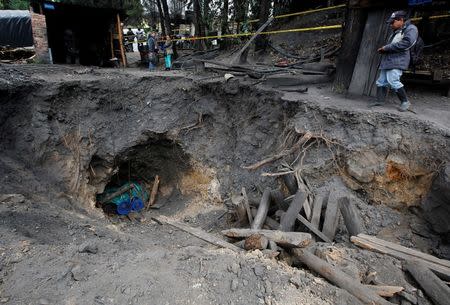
(287, 221)
(331, 220)
(351, 216)
(269, 222)
(198, 233)
(439, 266)
(291, 183)
(339, 278)
(385, 291)
(283, 239)
(317, 210)
(436, 289)
(263, 208)
(313, 229)
(120, 191)
(239, 58)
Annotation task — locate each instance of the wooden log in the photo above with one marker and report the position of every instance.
(270, 222)
(256, 242)
(385, 291)
(339, 278)
(154, 191)
(239, 58)
(291, 183)
(313, 229)
(198, 233)
(317, 209)
(331, 220)
(262, 211)
(400, 248)
(287, 221)
(277, 199)
(283, 239)
(351, 216)
(438, 266)
(120, 191)
(375, 35)
(430, 283)
(247, 206)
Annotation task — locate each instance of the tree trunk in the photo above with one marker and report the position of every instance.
(161, 17)
(199, 44)
(205, 16)
(351, 39)
(239, 12)
(264, 10)
(166, 17)
(224, 26)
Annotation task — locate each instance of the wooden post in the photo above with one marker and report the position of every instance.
(287, 221)
(351, 216)
(436, 289)
(112, 44)
(339, 278)
(122, 50)
(355, 19)
(366, 68)
(263, 208)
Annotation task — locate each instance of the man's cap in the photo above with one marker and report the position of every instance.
(396, 16)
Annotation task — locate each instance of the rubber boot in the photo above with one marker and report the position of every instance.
(381, 97)
(401, 94)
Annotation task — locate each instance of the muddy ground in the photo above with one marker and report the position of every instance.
(66, 133)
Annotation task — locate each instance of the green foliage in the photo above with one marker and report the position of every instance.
(15, 5)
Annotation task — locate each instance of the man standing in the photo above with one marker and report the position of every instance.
(395, 59)
(151, 43)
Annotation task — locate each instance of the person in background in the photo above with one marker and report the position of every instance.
(151, 43)
(396, 58)
(168, 52)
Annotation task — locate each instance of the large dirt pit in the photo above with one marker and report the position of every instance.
(69, 136)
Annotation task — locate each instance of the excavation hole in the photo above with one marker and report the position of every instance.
(139, 166)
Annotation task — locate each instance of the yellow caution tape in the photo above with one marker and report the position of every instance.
(304, 12)
(318, 28)
(431, 17)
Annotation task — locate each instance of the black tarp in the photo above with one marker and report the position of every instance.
(15, 28)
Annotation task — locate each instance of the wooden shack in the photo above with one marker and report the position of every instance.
(82, 32)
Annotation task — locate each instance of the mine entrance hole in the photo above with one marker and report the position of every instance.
(135, 171)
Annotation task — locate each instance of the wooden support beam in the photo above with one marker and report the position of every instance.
(436, 289)
(122, 49)
(351, 216)
(385, 291)
(263, 208)
(331, 220)
(319, 199)
(198, 233)
(313, 229)
(339, 278)
(120, 191)
(438, 266)
(283, 239)
(287, 221)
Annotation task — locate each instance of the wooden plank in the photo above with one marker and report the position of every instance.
(263, 208)
(366, 68)
(331, 220)
(287, 221)
(385, 291)
(351, 216)
(283, 239)
(122, 50)
(431, 284)
(247, 206)
(198, 233)
(409, 251)
(317, 209)
(120, 191)
(442, 271)
(313, 229)
(339, 278)
(270, 222)
(239, 58)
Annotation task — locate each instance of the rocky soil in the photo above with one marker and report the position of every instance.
(66, 133)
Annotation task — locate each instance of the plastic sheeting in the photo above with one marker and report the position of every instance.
(15, 28)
